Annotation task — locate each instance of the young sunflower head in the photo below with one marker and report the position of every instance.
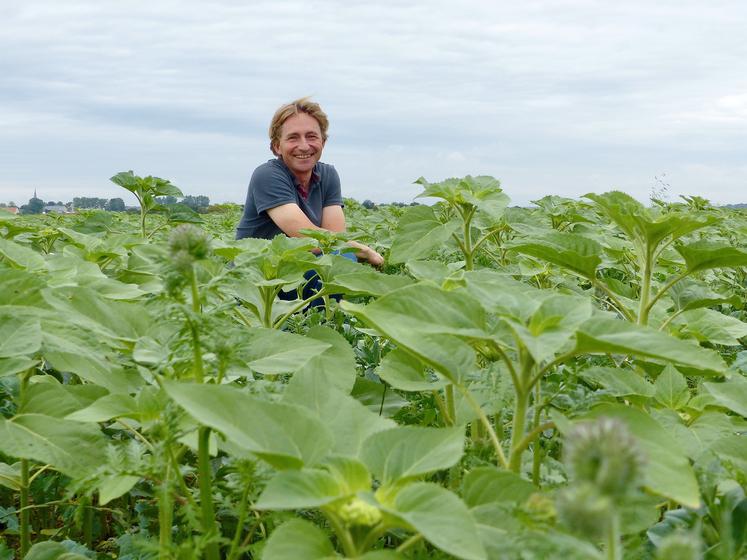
(605, 454)
(679, 546)
(585, 511)
(188, 243)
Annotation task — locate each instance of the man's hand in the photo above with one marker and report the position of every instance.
(366, 253)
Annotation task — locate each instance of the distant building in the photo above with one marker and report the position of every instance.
(11, 209)
(55, 209)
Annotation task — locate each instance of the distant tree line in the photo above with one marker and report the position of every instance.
(199, 203)
(36, 205)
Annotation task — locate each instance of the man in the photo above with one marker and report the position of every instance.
(296, 191)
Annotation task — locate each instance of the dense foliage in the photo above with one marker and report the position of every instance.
(561, 380)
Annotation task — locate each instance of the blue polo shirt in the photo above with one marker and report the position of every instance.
(273, 184)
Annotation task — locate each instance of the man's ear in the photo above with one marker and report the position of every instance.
(273, 148)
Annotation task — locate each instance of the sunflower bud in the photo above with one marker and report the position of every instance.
(585, 511)
(604, 453)
(679, 546)
(187, 244)
(356, 512)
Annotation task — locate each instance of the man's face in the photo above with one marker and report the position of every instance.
(300, 144)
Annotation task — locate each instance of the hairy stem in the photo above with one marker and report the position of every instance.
(209, 526)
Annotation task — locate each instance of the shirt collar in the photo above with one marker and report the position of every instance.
(315, 178)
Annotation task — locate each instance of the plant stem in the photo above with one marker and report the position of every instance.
(85, 503)
(537, 451)
(24, 521)
(346, 539)
(486, 423)
(517, 431)
(235, 543)
(409, 542)
(450, 405)
(646, 272)
(209, 527)
(24, 513)
(165, 516)
(614, 550)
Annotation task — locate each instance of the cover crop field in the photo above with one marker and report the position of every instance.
(560, 381)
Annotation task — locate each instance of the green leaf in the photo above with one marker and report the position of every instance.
(19, 336)
(348, 420)
(336, 364)
(731, 394)
(619, 382)
(115, 486)
(667, 470)
(419, 233)
(704, 255)
(52, 551)
(298, 539)
(732, 449)
(707, 325)
(367, 283)
(406, 373)
(284, 435)
(270, 351)
(54, 399)
(688, 294)
(21, 288)
(605, 335)
(19, 256)
(10, 476)
(106, 408)
(71, 447)
(407, 452)
(314, 488)
(671, 389)
(489, 485)
(441, 517)
(568, 250)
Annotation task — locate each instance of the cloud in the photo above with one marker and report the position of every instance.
(565, 96)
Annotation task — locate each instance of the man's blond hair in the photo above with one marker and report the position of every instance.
(303, 105)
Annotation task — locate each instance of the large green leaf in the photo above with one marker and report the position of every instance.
(671, 388)
(284, 435)
(20, 256)
(71, 447)
(313, 488)
(270, 351)
(336, 364)
(21, 288)
(688, 294)
(732, 449)
(568, 250)
(488, 485)
(407, 373)
(428, 322)
(54, 399)
(367, 282)
(708, 325)
(348, 420)
(606, 335)
(106, 408)
(419, 233)
(409, 451)
(619, 382)
(667, 471)
(298, 539)
(731, 394)
(441, 517)
(49, 550)
(19, 336)
(704, 255)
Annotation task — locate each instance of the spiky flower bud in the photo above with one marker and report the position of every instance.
(585, 511)
(356, 512)
(679, 546)
(187, 244)
(605, 454)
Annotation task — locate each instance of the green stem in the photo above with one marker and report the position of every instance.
(613, 297)
(24, 521)
(537, 451)
(468, 250)
(165, 516)
(25, 527)
(448, 421)
(450, 405)
(671, 318)
(85, 503)
(474, 405)
(614, 548)
(236, 542)
(517, 431)
(209, 527)
(665, 288)
(344, 536)
(409, 542)
(643, 308)
(268, 299)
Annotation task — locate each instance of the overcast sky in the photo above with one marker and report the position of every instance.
(549, 96)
